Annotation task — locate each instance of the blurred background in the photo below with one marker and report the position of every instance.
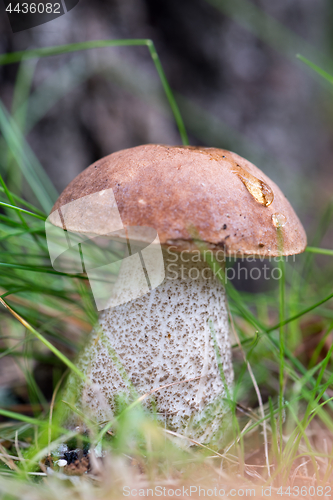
(233, 68)
(231, 63)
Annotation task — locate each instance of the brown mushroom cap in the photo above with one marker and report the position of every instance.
(188, 192)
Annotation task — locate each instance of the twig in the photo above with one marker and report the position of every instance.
(172, 433)
(7, 459)
(293, 477)
(19, 454)
(12, 457)
(239, 437)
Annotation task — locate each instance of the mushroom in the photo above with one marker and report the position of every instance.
(162, 341)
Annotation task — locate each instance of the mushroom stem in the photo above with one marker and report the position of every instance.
(161, 338)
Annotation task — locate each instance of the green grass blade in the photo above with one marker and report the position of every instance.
(46, 270)
(22, 210)
(23, 202)
(168, 92)
(27, 161)
(14, 57)
(316, 68)
(22, 418)
(282, 349)
(22, 90)
(321, 251)
(298, 315)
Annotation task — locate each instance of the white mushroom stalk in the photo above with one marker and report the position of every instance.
(165, 339)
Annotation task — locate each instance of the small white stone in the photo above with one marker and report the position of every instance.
(61, 462)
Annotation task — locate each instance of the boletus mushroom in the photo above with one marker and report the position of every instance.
(163, 339)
